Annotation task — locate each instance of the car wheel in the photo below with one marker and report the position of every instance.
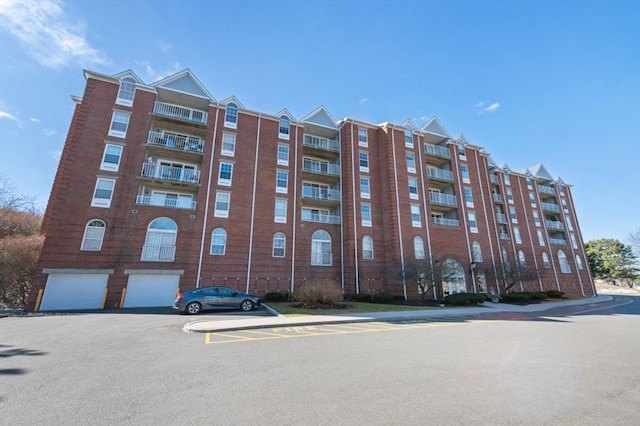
(193, 308)
(247, 305)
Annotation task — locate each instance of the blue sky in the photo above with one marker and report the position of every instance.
(552, 82)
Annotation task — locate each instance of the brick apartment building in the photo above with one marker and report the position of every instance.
(161, 187)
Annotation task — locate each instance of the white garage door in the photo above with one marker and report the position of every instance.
(74, 291)
(151, 290)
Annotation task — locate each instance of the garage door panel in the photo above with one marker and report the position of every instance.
(151, 290)
(74, 291)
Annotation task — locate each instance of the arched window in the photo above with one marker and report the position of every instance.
(160, 243)
(367, 247)
(231, 116)
(579, 262)
(521, 259)
(279, 242)
(126, 92)
(284, 127)
(321, 248)
(418, 248)
(564, 263)
(218, 242)
(545, 260)
(93, 235)
(477, 251)
(453, 277)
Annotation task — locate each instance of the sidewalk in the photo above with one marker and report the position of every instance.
(277, 320)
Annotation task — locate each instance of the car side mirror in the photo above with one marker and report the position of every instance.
(235, 293)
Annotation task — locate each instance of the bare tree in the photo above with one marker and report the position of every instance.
(9, 197)
(514, 274)
(421, 273)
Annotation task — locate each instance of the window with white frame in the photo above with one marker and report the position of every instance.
(231, 116)
(507, 180)
(411, 162)
(111, 157)
(516, 235)
(564, 205)
(282, 181)
(364, 162)
(126, 92)
(279, 242)
(418, 248)
(473, 223)
(169, 199)
(225, 174)
(228, 144)
(567, 219)
(574, 242)
(529, 183)
(321, 248)
(521, 259)
(468, 196)
(363, 139)
(532, 200)
(564, 263)
(280, 212)
(540, 237)
(223, 201)
(415, 216)
(119, 124)
(545, 260)
(408, 138)
(464, 169)
(367, 247)
(462, 152)
(513, 215)
(365, 187)
(365, 213)
(283, 129)
(476, 251)
(510, 195)
(561, 188)
(103, 193)
(93, 235)
(160, 241)
(413, 188)
(218, 242)
(579, 262)
(536, 218)
(283, 154)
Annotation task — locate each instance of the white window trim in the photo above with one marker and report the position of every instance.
(283, 162)
(276, 218)
(103, 202)
(418, 223)
(230, 124)
(224, 181)
(364, 169)
(366, 222)
(222, 213)
(83, 245)
(110, 166)
(411, 194)
(223, 151)
(280, 189)
(365, 195)
(119, 133)
(365, 142)
(123, 101)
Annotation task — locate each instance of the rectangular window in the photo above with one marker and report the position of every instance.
(574, 242)
(413, 188)
(283, 154)
(222, 204)
(111, 157)
(282, 181)
(363, 139)
(415, 216)
(365, 188)
(529, 183)
(569, 224)
(512, 215)
(225, 174)
(536, 218)
(468, 196)
(516, 235)
(364, 162)
(507, 180)
(365, 210)
(408, 138)
(462, 152)
(540, 237)
(103, 193)
(228, 144)
(411, 162)
(532, 200)
(564, 205)
(280, 214)
(509, 195)
(278, 245)
(473, 223)
(119, 124)
(464, 169)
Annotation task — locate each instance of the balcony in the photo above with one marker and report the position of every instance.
(158, 253)
(445, 221)
(180, 113)
(437, 151)
(501, 218)
(557, 241)
(318, 142)
(314, 193)
(494, 179)
(176, 141)
(550, 207)
(443, 199)
(320, 167)
(497, 198)
(554, 225)
(179, 203)
(504, 236)
(439, 174)
(172, 174)
(543, 189)
(320, 217)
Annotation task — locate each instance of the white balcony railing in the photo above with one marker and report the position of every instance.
(443, 199)
(180, 112)
(176, 141)
(445, 221)
(177, 174)
(320, 217)
(550, 207)
(546, 189)
(320, 193)
(555, 225)
(439, 174)
(320, 167)
(557, 241)
(437, 150)
(162, 201)
(321, 143)
(158, 253)
(501, 217)
(504, 236)
(494, 179)
(497, 198)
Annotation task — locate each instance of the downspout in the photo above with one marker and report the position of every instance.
(355, 219)
(463, 205)
(206, 204)
(295, 212)
(493, 216)
(427, 221)
(395, 178)
(253, 204)
(341, 209)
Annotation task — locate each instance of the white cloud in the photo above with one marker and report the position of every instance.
(164, 46)
(147, 68)
(35, 120)
(364, 101)
(46, 33)
(480, 104)
(56, 156)
(4, 114)
(492, 107)
(48, 132)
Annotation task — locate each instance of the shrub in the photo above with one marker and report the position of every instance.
(517, 297)
(313, 293)
(383, 298)
(361, 297)
(538, 296)
(276, 296)
(554, 294)
(464, 299)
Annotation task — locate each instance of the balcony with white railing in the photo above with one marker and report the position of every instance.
(501, 217)
(554, 225)
(318, 142)
(550, 207)
(169, 173)
(158, 253)
(437, 150)
(443, 199)
(162, 201)
(176, 141)
(494, 179)
(497, 198)
(314, 193)
(444, 221)
(320, 167)
(504, 236)
(557, 241)
(543, 189)
(320, 217)
(180, 113)
(439, 174)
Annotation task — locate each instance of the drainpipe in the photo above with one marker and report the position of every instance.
(395, 178)
(253, 204)
(355, 219)
(295, 212)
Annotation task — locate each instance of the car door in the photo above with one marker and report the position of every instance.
(227, 297)
(209, 297)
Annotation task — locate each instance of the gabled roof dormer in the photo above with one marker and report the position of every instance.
(285, 112)
(434, 132)
(408, 123)
(128, 74)
(540, 172)
(185, 83)
(232, 100)
(461, 140)
(320, 117)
